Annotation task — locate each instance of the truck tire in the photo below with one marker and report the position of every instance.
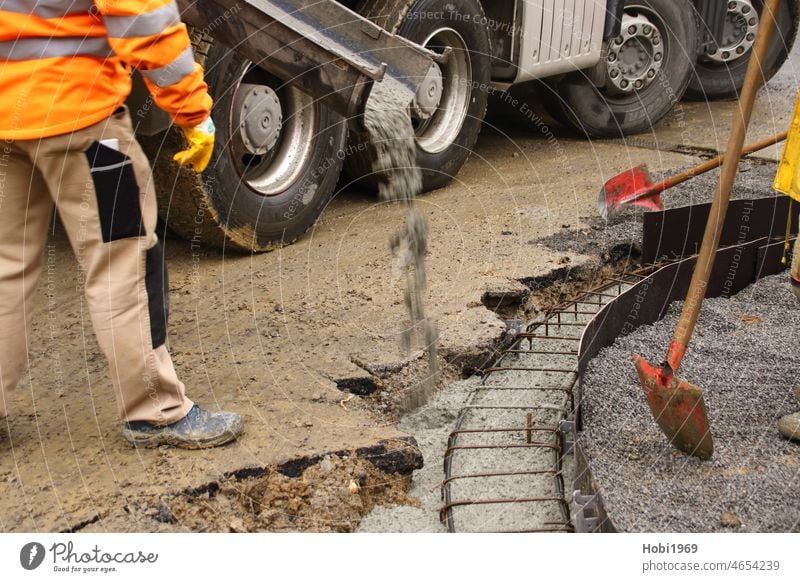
(720, 73)
(552, 102)
(268, 182)
(445, 141)
(645, 71)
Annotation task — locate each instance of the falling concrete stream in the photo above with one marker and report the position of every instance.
(390, 127)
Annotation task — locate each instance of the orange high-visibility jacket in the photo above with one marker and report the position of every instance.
(66, 64)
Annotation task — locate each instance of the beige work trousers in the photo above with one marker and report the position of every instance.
(99, 179)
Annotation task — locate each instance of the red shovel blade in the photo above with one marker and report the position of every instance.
(629, 187)
(678, 408)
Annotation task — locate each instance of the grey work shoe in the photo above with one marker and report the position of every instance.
(789, 426)
(199, 429)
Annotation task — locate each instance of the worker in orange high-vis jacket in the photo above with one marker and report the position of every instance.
(66, 140)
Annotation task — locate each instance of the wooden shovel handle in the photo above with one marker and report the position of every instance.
(719, 207)
(706, 166)
(717, 162)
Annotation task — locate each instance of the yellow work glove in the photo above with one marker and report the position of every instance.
(201, 146)
(787, 179)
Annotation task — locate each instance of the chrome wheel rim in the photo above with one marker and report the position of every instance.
(739, 35)
(635, 57)
(440, 130)
(270, 161)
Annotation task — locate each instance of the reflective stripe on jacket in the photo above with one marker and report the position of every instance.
(65, 64)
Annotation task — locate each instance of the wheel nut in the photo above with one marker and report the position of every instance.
(646, 30)
(745, 9)
(624, 84)
(726, 55)
(739, 50)
(731, 5)
(612, 57)
(614, 73)
(657, 57)
(651, 73)
(638, 84)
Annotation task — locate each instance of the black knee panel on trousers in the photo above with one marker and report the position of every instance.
(157, 284)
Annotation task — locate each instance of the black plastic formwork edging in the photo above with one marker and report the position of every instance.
(677, 232)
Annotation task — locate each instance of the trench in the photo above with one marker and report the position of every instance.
(494, 453)
(335, 491)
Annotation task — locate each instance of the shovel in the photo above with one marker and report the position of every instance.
(635, 186)
(678, 406)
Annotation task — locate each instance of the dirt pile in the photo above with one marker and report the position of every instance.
(332, 496)
(329, 493)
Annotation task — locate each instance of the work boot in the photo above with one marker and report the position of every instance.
(795, 286)
(789, 426)
(199, 429)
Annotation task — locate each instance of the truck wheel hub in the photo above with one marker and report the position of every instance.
(429, 93)
(739, 34)
(260, 117)
(635, 57)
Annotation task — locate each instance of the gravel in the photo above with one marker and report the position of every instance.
(744, 355)
(630, 458)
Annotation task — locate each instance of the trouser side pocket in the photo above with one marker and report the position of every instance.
(117, 193)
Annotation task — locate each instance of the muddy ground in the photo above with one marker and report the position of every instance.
(285, 338)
